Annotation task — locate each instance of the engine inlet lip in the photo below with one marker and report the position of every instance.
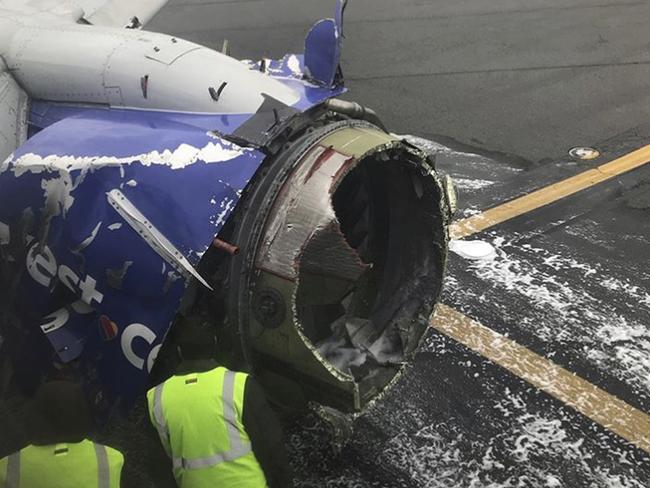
(243, 284)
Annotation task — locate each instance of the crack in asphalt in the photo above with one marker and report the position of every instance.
(496, 70)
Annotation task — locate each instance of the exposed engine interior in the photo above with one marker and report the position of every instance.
(339, 267)
(361, 322)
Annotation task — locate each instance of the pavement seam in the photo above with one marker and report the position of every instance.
(408, 18)
(497, 70)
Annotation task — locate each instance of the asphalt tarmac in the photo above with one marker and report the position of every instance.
(530, 78)
(505, 88)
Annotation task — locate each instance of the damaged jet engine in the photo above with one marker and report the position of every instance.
(343, 248)
(151, 177)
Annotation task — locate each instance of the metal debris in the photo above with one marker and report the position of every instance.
(225, 246)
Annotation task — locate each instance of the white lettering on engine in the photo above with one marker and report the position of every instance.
(42, 267)
(132, 332)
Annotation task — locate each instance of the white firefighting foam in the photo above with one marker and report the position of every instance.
(60, 169)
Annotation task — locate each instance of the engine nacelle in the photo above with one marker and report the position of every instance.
(343, 240)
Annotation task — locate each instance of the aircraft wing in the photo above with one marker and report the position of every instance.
(13, 113)
(109, 13)
(119, 13)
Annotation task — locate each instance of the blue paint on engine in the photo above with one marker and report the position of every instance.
(104, 296)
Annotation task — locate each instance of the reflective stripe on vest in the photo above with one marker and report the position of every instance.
(238, 447)
(13, 470)
(161, 424)
(103, 471)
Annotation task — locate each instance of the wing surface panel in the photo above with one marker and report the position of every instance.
(119, 13)
(108, 13)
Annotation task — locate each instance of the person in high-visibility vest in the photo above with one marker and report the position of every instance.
(215, 424)
(60, 455)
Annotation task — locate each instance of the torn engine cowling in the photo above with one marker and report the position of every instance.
(344, 242)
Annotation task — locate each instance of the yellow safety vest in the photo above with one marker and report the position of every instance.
(74, 465)
(199, 419)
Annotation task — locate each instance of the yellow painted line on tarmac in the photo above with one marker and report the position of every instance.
(603, 408)
(549, 194)
(607, 410)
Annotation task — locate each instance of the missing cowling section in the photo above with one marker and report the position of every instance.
(326, 227)
(385, 210)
